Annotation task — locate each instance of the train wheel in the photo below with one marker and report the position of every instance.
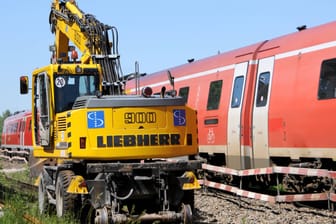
(187, 214)
(42, 195)
(65, 202)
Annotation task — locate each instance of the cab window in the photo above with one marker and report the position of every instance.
(327, 84)
(69, 87)
(184, 92)
(215, 92)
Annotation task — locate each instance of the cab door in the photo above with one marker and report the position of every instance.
(260, 113)
(236, 154)
(42, 110)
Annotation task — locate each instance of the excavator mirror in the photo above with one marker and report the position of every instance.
(24, 84)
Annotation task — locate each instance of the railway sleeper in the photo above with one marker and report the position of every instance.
(120, 192)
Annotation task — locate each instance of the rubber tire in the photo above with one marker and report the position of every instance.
(87, 213)
(189, 198)
(42, 196)
(65, 202)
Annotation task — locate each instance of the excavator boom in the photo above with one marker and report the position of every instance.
(91, 37)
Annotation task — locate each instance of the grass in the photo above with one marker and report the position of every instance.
(17, 206)
(23, 175)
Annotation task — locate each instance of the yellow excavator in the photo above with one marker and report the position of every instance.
(108, 157)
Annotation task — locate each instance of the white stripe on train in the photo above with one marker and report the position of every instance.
(305, 50)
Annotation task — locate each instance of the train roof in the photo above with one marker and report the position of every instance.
(290, 42)
(18, 115)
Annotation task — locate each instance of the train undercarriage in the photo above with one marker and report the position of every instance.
(122, 192)
(290, 183)
(308, 184)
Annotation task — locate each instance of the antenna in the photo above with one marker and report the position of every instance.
(137, 78)
(172, 83)
(171, 79)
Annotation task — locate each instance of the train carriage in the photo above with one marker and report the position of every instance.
(16, 138)
(270, 103)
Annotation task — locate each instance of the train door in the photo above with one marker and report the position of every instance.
(236, 153)
(28, 132)
(260, 113)
(21, 131)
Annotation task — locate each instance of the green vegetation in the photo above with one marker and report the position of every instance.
(17, 210)
(18, 207)
(279, 187)
(23, 175)
(4, 115)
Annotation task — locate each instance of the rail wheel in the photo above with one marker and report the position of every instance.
(187, 214)
(101, 216)
(42, 195)
(65, 202)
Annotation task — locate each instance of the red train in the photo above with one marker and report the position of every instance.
(16, 138)
(270, 103)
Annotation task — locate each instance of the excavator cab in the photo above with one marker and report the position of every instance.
(69, 87)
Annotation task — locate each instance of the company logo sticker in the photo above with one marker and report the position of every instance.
(179, 117)
(96, 119)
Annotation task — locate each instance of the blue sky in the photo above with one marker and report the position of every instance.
(158, 34)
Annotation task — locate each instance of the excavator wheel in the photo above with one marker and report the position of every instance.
(65, 202)
(42, 195)
(43, 201)
(87, 213)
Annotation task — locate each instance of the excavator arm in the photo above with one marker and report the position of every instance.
(91, 37)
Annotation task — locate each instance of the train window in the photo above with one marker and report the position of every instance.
(22, 126)
(14, 128)
(237, 91)
(262, 91)
(327, 85)
(215, 92)
(184, 92)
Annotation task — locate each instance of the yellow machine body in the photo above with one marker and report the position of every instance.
(107, 127)
(96, 141)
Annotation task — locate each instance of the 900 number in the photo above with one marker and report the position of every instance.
(140, 118)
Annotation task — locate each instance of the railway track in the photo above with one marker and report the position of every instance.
(211, 206)
(214, 206)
